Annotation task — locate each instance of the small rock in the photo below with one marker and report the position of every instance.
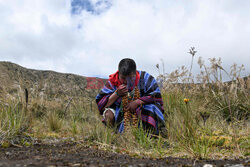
(207, 165)
(8, 153)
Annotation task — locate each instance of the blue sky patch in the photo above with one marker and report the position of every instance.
(96, 8)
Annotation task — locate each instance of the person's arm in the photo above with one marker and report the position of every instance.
(121, 91)
(112, 99)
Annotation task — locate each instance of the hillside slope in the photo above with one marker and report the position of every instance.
(14, 79)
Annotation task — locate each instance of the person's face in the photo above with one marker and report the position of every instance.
(128, 79)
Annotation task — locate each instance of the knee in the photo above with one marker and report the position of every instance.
(109, 117)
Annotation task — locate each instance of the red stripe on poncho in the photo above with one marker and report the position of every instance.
(114, 79)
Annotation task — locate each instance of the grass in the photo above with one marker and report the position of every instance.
(212, 123)
(14, 124)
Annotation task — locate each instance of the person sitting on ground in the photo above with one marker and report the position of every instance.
(148, 107)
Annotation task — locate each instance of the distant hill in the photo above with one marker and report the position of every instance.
(14, 79)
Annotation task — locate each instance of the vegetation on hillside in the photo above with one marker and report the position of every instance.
(48, 85)
(205, 120)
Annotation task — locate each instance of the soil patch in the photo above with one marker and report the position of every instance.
(73, 155)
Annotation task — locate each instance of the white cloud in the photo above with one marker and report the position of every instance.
(44, 34)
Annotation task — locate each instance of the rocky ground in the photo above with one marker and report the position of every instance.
(75, 155)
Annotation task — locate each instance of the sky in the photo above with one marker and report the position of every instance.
(90, 37)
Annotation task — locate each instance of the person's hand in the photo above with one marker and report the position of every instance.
(132, 106)
(122, 90)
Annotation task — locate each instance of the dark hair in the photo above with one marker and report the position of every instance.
(127, 66)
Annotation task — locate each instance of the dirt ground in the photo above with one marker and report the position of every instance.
(72, 155)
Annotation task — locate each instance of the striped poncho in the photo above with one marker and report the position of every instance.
(151, 113)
